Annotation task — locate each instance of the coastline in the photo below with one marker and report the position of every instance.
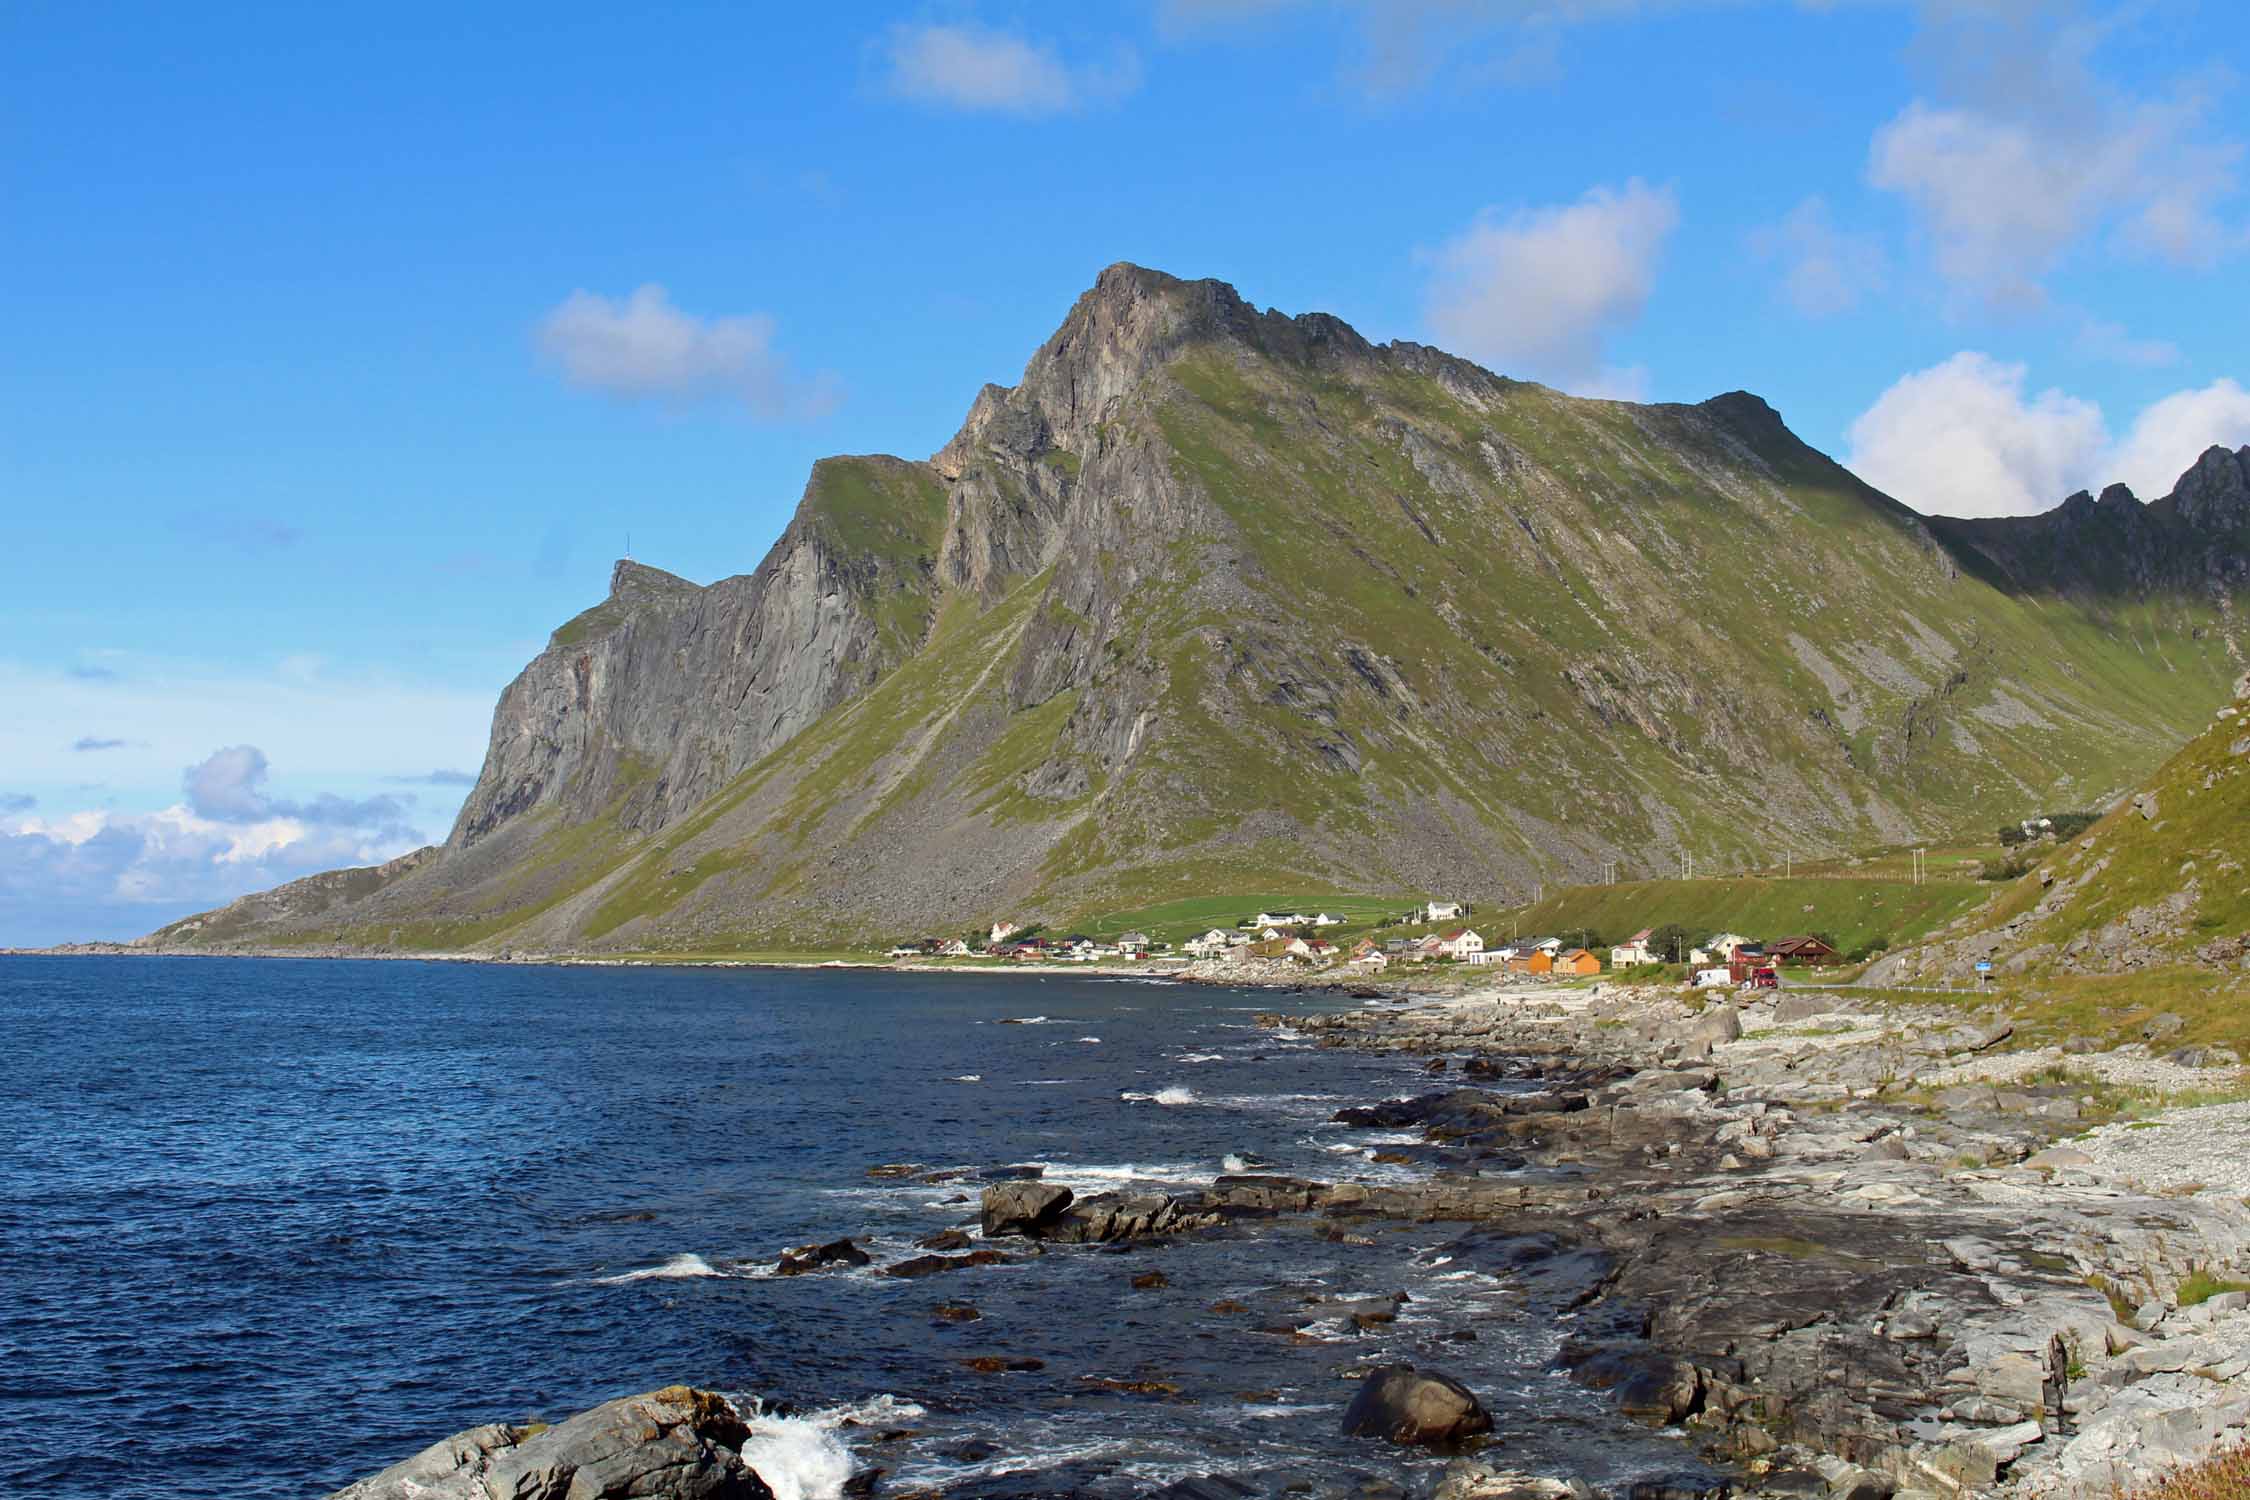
(1847, 1252)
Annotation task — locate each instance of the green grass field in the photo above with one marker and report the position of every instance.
(1856, 913)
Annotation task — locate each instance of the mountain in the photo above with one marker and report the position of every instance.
(2157, 883)
(1220, 601)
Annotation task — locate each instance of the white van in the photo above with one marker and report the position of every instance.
(1713, 979)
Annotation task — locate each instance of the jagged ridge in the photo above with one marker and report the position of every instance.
(1216, 597)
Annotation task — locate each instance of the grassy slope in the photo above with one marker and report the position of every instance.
(1857, 913)
(1594, 650)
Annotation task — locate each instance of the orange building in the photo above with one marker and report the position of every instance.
(1578, 961)
(1537, 961)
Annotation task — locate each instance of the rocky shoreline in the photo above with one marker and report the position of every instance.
(1840, 1250)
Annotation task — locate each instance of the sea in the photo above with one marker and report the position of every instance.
(269, 1225)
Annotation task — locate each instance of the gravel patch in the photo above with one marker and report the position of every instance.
(2124, 1069)
(2208, 1145)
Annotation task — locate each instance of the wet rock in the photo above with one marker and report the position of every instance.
(955, 1312)
(1400, 1404)
(944, 1239)
(895, 1169)
(819, 1257)
(1151, 1281)
(1022, 1207)
(930, 1265)
(678, 1443)
(1001, 1364)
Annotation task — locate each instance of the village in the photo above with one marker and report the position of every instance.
(1726, 959)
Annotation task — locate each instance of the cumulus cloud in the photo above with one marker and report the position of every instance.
(2172, 433)
(1824, 269)
(2098, 338)
(1969, 438)
(87, 742)
(100, 873)
(979, 69)
(16, 802)
(229, 786)
(645, 348)
(1540, 291)
(2028, 152)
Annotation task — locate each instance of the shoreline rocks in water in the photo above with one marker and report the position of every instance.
(1422, 1408)
(1849, 1253)
(678, 1443)
(1831, 1249)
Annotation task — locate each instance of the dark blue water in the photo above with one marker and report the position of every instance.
(266, 1226)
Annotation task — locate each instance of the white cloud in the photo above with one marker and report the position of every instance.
(1825, 270)
(1966, 438)
(2029, 152)
(1962, 439)
(2171, 434)
(1539, 292)
(100, 873)
(643, 347)
(976, 68)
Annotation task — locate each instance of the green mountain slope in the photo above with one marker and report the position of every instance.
(1219, 600)
(2159, 883)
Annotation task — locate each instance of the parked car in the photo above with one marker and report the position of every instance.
(1713, 979)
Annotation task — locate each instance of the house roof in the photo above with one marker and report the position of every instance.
(1642, 936)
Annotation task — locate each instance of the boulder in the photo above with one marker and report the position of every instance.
(818, 1257)
(1023, 1207)
(1795, 1008)
(674, 1444)
(1718, 1025)
(1401, 1404)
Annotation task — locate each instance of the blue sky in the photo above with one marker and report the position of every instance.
(341, 351)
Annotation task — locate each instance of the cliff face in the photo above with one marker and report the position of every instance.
(1217, 599)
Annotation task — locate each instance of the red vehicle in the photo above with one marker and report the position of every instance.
(1765, 979)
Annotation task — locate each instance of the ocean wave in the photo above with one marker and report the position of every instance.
(966, 1078)
(1170, 1094)
(1201, 1057)
(802, 1458)
(678, 1268)
(1095, 1040)
(1025, 1021)
(1074, 1176)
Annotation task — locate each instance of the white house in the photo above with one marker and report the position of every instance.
(1633, 951)
(1374, 961)
(1442, 911)
(956, 948)
(1718, 950)
(1326, 919)
(1213, 941)
(1002, 931)
(1270, 934)
(1461, 943)
(1280, 919)
(1133, 942)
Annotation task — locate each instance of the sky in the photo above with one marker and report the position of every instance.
(343, 349)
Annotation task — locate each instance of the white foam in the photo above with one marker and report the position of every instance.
(1169, 1094)
(1095, 1040)
(1201, 1057)
(1073, 1176)
(802, 1458)
(1234, 1163)
(968, 1078)
(1027, 1021)
(798, 1458)
(678, 1268)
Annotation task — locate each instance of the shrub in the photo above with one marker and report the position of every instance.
(2225, 1477)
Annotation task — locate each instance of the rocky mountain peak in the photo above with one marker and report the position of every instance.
(631, 582)
(2215, 494)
